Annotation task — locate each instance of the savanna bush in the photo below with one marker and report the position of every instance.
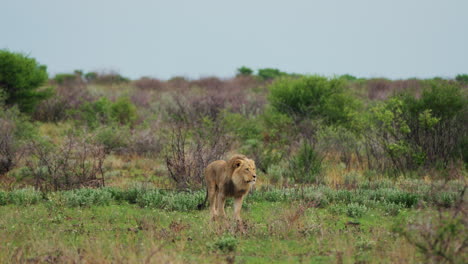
(104, 111)
(123, 111)
(15, 132)
(306, 165)
(313, 97)
(75, 163)
(113, 138)
(425, 131)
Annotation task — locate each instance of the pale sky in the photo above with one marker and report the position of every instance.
(199, 38)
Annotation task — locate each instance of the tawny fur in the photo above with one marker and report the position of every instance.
(233, 178)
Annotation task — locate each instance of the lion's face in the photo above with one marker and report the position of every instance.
(246, 171)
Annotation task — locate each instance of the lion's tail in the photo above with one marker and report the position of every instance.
(203, 204)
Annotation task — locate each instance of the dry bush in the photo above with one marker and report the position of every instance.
(8, 147)
(441, 237)
(178, 83)
(382, 89)
(187, 158)
(145, 142)
(15, 132)
(148, 83)
(73, 164)
(69, 95)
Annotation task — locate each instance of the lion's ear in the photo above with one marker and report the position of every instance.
(237, 163)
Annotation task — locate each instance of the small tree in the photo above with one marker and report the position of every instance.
(20, 78)
(244, 71)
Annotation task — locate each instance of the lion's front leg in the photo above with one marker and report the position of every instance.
(237, 210)
(237, 207)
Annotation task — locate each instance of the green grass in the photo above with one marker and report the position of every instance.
(129, 233)
(315, 224)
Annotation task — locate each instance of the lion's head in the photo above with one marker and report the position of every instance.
(242, 170)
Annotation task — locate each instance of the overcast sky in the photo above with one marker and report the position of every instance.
(365, 38)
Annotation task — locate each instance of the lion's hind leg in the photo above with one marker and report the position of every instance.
(212, 193)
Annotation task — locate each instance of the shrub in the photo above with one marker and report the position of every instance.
(422, 132)
(26, 196)
(3, 198)
(20, 79)
(226, 243)
(439, 237)
(275, 173)
(355, 210)
(113, 138)
(86, 197)
(15, 132)
(392, 209)
(149, 83)
(313, 97)
(187, 158)
(73, 164)
(123, 111)
(306, 165)
(95, 113)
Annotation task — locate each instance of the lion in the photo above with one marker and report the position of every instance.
(233, 178)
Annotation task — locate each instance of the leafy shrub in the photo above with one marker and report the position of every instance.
(306, 165)
(445, 199)
(86, 197)
(123, 111)
(275, 173)
(313, 97)
(226, 243)
(113, 138)
(27, 196)
(355, 210)
(392, 209)
(95, 113)
(407, 126)
(3, 198)
(20, 79)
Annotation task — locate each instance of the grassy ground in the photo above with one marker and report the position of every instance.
(279, 232)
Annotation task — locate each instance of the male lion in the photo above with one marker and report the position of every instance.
(228, 179)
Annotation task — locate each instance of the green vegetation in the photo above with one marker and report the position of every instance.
(349, 169)
(20, 80)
